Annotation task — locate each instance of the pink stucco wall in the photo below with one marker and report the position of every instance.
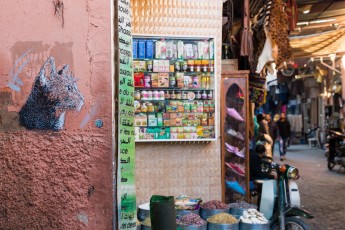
(56, 179)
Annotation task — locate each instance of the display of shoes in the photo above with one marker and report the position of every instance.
(231, 148)
(236, 168)
(241, 153)
(235, 150)
(234, 114)
(235, 134)
(234, 185)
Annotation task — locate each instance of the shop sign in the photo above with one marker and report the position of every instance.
(126, 198)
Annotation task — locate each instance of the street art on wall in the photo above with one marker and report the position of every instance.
(52, 95)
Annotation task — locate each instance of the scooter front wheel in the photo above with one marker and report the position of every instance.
(330, 165)
(292, 223)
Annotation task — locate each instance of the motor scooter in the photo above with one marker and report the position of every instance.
(279, 199)
(336, 149)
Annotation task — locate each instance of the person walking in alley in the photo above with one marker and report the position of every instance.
(284, 133)
(273, 130)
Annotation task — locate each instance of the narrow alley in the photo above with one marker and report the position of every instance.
(321, 190)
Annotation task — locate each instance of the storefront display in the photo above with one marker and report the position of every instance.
(235, 135)
(174, 88)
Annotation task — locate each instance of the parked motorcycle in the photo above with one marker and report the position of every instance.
(336, 149)
(280, 199)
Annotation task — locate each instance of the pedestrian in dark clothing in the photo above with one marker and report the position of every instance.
(284, 133)
(273, 130)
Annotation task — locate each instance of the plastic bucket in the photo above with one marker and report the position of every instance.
(245, 226)
(213, 226)
(206, 213)
(143, 211)
(182, 212)
(191, 227)
(145, 227)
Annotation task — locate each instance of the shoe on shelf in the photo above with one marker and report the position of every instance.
(233, 133)
(234, 114)
(236, 168)
(231, 148)
(241, 153)
(234, 185)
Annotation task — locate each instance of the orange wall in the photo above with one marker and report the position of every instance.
(56, 179)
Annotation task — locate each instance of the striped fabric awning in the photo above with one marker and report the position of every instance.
(318, 45)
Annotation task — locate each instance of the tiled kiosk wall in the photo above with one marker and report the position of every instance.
(176, 168)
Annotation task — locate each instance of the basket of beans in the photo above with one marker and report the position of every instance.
(213, 207)
(191, 221)
(222, 221)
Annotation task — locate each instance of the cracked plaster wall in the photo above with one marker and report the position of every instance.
(56, 180)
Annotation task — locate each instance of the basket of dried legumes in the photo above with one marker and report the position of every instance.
(222, 221)
(191, 221)
(213, 207)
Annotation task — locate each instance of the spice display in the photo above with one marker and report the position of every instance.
(215, 204)
(173, 89)
(243, 205)
(222, 218)
(253, 216)
(191, 219)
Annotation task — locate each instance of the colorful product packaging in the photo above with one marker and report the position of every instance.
(140, 119)
(139, 79)
(212, 106)
(206, 106)
(180, 80)
(152, 120)
(180, 49)
(160, 50)
(141, 49)
(154, 80)
(169, 49)
(163, 80)
(159, 119)
(211, 46)
(149, 49)
(156, 67)
(135, 48)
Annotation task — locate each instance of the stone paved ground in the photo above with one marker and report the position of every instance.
(322, 191)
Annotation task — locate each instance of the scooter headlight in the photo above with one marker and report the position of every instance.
(292, 173)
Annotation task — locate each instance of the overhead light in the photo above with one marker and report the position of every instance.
(306, 9)
(302, 23)
(322, 21)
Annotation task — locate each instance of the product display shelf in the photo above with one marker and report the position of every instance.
(235, 144)
(173, 88)
(188, 79)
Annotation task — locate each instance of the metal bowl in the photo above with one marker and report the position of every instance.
(213, 226)
(237, 212)
(206, 213)
(182, 212)
(245, 226)
(192, 227)
(143, 212)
